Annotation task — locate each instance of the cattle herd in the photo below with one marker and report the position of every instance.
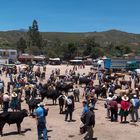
(32, 85)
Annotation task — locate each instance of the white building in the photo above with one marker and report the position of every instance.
(8, 56)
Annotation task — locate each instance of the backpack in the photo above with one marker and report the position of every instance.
(137, 103)
(83, 118)
(92, 118)
(45, 111)
(69, 101)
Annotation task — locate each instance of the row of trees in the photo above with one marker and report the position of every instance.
(35, 44)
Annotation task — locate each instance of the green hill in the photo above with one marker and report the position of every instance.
(103, 38)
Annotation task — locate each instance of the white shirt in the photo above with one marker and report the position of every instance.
(6, 98)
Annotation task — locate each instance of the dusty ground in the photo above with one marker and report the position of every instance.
(61, 130)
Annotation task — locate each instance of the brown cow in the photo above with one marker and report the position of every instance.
(124, 82)
(125, 92)
(119, 75)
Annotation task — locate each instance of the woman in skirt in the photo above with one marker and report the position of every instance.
(124, 111)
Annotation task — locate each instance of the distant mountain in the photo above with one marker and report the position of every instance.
(104, 38)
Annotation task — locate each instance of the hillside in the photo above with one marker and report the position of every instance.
(104, 38)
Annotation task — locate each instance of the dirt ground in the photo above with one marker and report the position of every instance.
(58, 129)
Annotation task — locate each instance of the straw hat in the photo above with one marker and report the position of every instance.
(136, 89)
(125, 98)
(135, 96)
(26, 86)
(114, 97)
(41, 104)
(103, 86)
(14, 94)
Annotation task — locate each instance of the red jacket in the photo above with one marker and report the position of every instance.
(125, 105)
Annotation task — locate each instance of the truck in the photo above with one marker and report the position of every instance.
(119, 64)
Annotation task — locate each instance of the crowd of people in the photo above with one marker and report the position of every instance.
(26, 85)
(123, 109)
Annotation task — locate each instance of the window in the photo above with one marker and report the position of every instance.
(13, 53)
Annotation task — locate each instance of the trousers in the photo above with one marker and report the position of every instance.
(41, 129)
(89, 133)
(134, 114)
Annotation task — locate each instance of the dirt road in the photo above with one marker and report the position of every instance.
(58, 129)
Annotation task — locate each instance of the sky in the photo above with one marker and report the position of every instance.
(71, 15)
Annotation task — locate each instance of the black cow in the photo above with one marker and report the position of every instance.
(64, 87)
(98, 90)
(12, 118)
(61, 101)
(32, 104)
(52, 94)
(75, 78)
(84, 80)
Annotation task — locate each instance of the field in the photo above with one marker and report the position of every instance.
(58, 129)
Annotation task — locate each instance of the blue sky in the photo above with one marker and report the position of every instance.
(71, 15)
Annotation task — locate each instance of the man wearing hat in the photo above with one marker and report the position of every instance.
(135, 103)
(69, 106)
(88, 120)
(40, 114)
(107, 104)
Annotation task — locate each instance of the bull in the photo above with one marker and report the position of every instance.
(123, 82)
(51, 94)
(64, 87)
(119, 75)
(84, 80)
(61, 100)
(12, 118)
(32, 104)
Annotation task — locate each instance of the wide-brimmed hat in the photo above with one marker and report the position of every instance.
(103, 86)
(125, 98)
(41, 104)
(26, 86)
(136, 89)
(114, 97)
(135, 96)
(14, 94)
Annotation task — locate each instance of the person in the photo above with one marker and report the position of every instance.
(88, 119)
(69, 107)
(137, 92)
(124, 111)
(85, 107)
(76, 93)
(114, 108)
(1, 86)
(107, 105)
(14, 102)
(104, 90)
(40, 115)
(6, 99)
(135, 102)
(93, 98)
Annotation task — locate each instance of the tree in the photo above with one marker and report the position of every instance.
(90, 45)
(97, 52)
(21, 45)
(70, 52)
(122, 49)
(35, 38)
